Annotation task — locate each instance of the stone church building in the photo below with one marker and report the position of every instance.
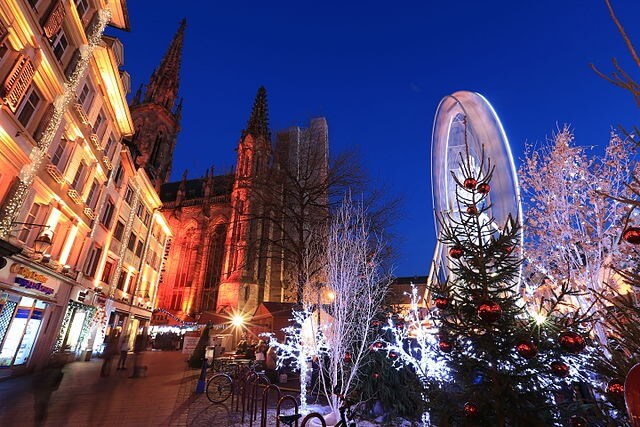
(222, 256)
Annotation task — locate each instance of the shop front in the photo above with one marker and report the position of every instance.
(127, 320)
(74, 337)
(30, 297)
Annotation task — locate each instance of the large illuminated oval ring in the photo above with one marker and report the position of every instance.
(483, 127)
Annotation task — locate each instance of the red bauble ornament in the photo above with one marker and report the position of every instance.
(470, 410)
(347, 357)
(632, 235)
(615, 389)
(560, 369)
(376, 323)
(484, 188)
(375, 375)
(393, 355)
(472, 210)
(572, 342)
(456, 252)
(400, 325)
(489, 311)
(445, 346)
(508, 249)
(378, 345)
(578, 421)
(441, 302)
(527, 349)
(470, 183)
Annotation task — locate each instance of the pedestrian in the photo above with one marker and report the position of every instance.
(271, 363)
(124, 352)
(110, 346)
(45, 382)
(261, 354)
(139, 346)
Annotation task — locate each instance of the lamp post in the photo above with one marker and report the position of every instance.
(42, 243)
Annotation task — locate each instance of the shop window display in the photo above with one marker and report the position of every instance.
(22, 332)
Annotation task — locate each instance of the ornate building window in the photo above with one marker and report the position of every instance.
(118, 231)
(78, 178)
(214, 267)
(106, 273)
(85, 96)
(93, 191)
(92, 261)
(176, 301)
(58, 153)
(30, 105)
(187, 259)
(82, 6)
(107, 213)
(59, 45)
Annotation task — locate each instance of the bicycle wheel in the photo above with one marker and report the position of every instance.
(219, 388)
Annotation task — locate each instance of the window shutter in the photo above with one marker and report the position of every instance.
(42, 126)
(18, 81)
(53, 23)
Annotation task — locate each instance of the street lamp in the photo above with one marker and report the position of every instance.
(237, 320)
(42, 243)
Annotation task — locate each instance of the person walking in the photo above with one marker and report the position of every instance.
(124, 352)
(110, 346)
(45, 382)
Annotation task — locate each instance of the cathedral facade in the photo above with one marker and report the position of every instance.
(226, 251)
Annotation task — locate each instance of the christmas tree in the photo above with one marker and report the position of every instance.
(511, 364)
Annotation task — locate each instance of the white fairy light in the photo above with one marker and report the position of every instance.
(415, 345)
(301, 344)
(29, 171)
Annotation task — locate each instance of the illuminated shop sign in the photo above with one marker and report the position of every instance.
(30, 279)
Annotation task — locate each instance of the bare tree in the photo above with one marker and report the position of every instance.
(359, 284)
(620, 77)
(294, 203)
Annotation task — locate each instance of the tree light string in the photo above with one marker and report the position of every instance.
(29, 171)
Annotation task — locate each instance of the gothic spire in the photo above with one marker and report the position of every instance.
(258, 124)
(163, 85)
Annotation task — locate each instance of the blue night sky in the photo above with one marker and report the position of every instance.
(377, 74)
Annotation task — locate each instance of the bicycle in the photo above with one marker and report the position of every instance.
(221, 385)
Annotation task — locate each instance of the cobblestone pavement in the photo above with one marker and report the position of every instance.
(165, 397)
(85, 399)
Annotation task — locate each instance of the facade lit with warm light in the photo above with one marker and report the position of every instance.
(94, 274)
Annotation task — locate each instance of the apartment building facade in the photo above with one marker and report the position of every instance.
(63, 116)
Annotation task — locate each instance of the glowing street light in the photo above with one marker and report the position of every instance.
(237, 320)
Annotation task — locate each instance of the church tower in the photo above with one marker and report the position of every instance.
(156, 114)
(245, 267)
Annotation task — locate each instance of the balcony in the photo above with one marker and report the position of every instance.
(107, 162)
(75, 196)
(80, 110)
(89, 213)
(96, 142)
(55, 173)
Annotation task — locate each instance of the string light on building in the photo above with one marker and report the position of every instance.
(28, 172)
(125, 238)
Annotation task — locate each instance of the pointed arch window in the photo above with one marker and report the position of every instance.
(215, 257)
(157, 152)
(187, 259)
